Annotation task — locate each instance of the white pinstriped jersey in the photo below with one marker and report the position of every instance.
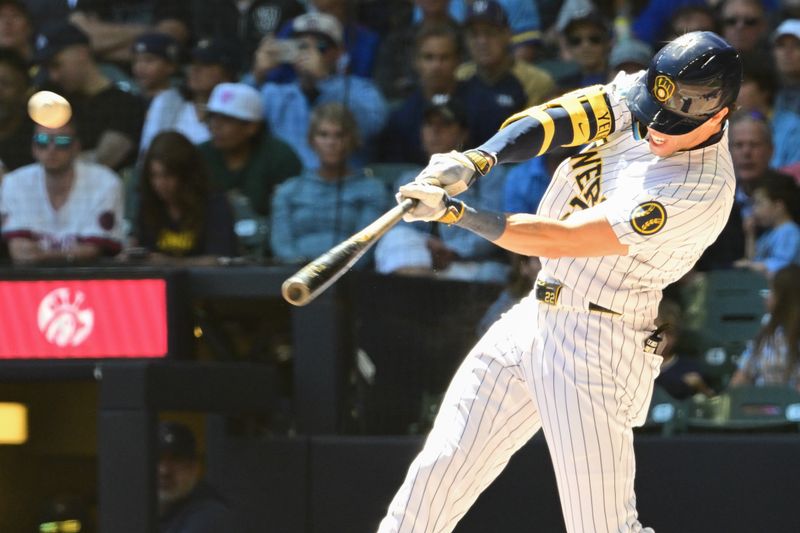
(668, 210)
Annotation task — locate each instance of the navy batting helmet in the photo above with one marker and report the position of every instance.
(688, 81)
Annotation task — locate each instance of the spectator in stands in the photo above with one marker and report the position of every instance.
(436, 60)
(61, 208)
(586, 41)
(248, 21)
(696, 16)
(680, 377)
(527, 182)
(758, 89)
(183, 109)
(16, 127)
(629, 56)
(751, 148)
(180, 215)
(523, 17)
(156, 59)
(16, 28)
(288, 106)
(496, 84)
(113, 26)
(776, 206)
(243, 157)
(745, 26)
(397, 69)
(773, 357)
(786, 117)
(318, 209)
(438, 250)
(186, 503)
(109, 120)
(360, 43)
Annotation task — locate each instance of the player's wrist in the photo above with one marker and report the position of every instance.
(481, 160)
(487, 224)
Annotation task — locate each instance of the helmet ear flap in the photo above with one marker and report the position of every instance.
(639, 130)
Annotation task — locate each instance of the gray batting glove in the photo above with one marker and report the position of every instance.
(430, 201)
(455, 171)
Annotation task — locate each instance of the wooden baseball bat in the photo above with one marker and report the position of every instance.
(309, 282)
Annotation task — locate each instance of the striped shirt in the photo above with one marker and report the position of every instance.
(767, 365)
(667, 210)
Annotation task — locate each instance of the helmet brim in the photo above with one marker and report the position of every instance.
(647, 110)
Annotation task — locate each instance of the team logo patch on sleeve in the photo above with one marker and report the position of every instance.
(648, 218)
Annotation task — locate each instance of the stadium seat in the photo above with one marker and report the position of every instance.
(747, 409)
(665, 415)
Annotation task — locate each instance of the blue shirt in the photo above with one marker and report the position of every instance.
(785, 135)
(490, 104)
(779, 247)
(310, 214)
(288, 111)
(526, 183)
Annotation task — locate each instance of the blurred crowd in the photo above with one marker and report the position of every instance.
(211, 131)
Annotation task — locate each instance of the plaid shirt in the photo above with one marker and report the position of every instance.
(767, 366)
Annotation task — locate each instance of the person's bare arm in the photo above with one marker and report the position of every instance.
(24, 250)
(112, 149)
(739, 379)
(109, 40)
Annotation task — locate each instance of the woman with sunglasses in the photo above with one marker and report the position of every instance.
(180, 216)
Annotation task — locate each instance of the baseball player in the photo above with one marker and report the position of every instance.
(631, 213)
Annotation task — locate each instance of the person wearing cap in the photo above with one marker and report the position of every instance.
(586, 41)
(156, 58)
(786, 109)
(524, 23)
(436, 59)
(16, 28)
(496, 84)
(108, 118)
(629, 56)
(183, 109)
(288, 106)
(323, 206)
(446, 252)
(242, 154)
(250, 22)
(186, 503)
(627, 216)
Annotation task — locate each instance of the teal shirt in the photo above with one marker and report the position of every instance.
(272, 162)
(310, 214)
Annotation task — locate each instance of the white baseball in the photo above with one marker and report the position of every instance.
(49, 109)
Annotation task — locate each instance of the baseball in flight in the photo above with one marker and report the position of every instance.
(49, 109)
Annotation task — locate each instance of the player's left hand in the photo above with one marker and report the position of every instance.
(430, 201)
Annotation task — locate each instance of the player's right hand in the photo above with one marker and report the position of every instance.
(454, 171)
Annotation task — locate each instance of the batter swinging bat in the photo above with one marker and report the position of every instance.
(308, 282)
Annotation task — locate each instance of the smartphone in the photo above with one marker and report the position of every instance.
(288, 50)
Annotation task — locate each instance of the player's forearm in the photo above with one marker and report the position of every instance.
(573, 119)
(534, 235)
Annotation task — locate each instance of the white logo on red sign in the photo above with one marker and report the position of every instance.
(62, 319)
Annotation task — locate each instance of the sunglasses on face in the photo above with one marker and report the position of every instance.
(576, 40)
(745, 21)
(43, 140)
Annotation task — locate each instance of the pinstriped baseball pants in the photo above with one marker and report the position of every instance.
(579, 376)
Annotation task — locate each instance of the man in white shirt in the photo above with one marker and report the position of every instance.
(59, 208)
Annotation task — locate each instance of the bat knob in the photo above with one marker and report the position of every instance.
(295, 291)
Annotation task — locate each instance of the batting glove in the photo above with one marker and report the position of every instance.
(433, 203)
(456, 171)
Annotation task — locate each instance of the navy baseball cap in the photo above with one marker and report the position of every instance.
(176, 439)
(218, 51)
(446, 107)
(486, 11)
(158, 44)
(56, 37)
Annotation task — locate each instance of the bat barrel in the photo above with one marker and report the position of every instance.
(295, 291)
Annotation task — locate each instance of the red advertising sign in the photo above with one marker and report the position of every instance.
(83, 318)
